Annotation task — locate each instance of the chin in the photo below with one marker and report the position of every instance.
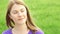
(21, 23)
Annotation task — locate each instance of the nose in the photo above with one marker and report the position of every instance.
(19, 14)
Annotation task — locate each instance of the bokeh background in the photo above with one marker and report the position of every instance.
(45, 13)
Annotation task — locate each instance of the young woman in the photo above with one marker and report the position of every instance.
(18, 19)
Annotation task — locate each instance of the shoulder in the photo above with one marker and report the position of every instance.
(39, 31)
(8, 31)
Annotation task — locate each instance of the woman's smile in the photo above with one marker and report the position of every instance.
(20, 18)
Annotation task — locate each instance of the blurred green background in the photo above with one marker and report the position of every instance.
(45, 13)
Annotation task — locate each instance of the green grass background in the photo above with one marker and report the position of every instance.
(45, 13)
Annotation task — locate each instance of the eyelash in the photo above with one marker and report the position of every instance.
(15, 12)
(22, 11)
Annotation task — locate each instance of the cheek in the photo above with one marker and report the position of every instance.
(13, 17)
(25, 15)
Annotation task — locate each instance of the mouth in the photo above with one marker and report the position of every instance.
(21, 19)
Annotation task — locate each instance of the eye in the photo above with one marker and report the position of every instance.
(22, 10)
(15, 12)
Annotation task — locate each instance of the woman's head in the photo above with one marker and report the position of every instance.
(18, 13)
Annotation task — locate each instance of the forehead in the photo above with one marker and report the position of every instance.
(18, 7)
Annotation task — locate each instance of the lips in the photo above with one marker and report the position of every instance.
(20, 18)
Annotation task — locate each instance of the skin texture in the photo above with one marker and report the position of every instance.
(18, 14)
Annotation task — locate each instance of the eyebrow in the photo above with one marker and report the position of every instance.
(14, 10)
(20, 9)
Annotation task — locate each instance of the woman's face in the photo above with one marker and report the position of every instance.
(18, 14)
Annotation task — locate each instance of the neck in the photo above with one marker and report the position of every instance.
(21, 27)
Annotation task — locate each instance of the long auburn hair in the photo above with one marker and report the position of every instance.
(10, 22)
